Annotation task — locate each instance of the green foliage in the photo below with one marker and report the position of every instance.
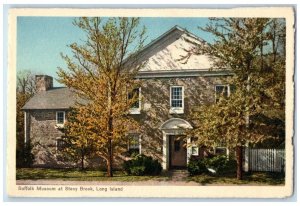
(221, 164)
(138, 170)
(142, 165)
(197, 166)
(25, 157)
(253, 49)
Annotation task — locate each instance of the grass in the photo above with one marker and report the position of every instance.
(255, 178)
(79, 175)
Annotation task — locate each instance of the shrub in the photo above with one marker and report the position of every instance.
(221, 164)
(137, 170)
(197, 166)
(24, 156)
(142, 165)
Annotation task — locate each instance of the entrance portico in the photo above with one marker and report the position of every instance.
(175, 151)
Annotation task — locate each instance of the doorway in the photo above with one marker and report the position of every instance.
(177, 152)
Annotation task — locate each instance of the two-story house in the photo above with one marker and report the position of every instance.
(169, 91)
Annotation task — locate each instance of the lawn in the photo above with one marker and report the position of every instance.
(79, 175)
(255, 178)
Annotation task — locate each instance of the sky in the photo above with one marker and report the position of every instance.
(40, 40)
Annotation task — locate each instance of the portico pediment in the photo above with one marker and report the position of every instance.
(175, 124)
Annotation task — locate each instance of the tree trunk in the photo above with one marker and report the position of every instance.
(239, 161)
(110, 159)
(110, 133)
(82, 161)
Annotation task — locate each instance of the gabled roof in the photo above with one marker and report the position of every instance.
(174, 29)
(165, 53)
(55, 98)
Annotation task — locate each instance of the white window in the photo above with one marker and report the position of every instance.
(194, 147)
(221, 149)
(221, 90)
(134, 143)
(60, 118)
(136, 106)
(195, 150)
(176, 99)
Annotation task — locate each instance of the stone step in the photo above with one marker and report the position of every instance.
(180, 172)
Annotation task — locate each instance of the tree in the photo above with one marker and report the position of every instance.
(101, 77)
(25, 90)
(78, 144)
(253, 49)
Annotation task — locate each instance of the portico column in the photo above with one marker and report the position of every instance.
(165, 158)
(189, 149)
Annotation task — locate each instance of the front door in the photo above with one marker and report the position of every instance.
(177, 152)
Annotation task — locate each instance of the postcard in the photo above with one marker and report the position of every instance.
(161, 103)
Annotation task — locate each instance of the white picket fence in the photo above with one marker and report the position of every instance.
(269, 160)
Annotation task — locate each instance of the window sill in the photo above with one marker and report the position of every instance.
(176, 111)
(135, 111)
(59, 126)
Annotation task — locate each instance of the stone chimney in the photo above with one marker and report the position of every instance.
(43, 82)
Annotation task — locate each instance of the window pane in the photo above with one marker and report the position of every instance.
(221, 90)
(61, 144)
(176, 103)
(60, 117)
(221, 151)
(176, 96)
(134, 142)
(136, 93)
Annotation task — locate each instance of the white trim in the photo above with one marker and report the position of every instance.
(222, 147)
(197, 150)
(140, 144)
(175, 130)
(25, 127)
(56, 145)
(177, 110)
(165, 157)
(137, 110)
(183, 125)
(190, 146)
(60, 124)
(182, 73)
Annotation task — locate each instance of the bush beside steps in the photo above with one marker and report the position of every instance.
(218, 165)
(142, 165)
